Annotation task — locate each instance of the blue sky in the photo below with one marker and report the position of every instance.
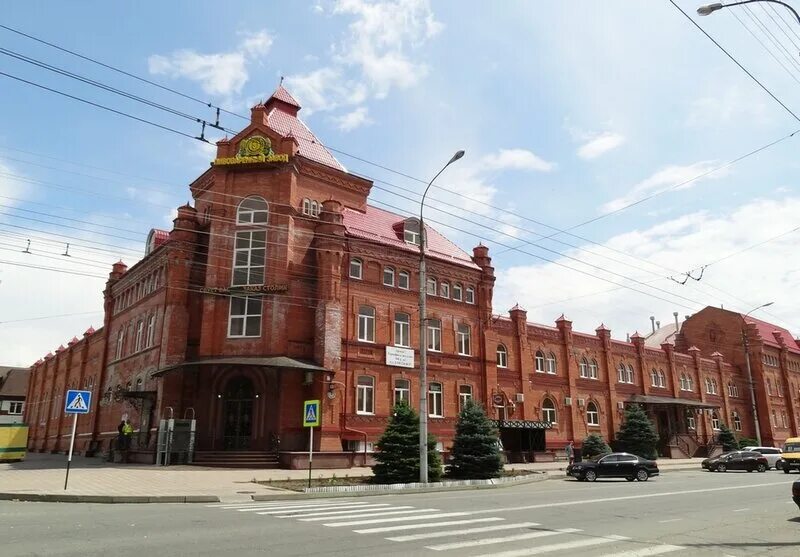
(565, 110)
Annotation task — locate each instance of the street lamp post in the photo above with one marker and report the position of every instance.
(423, 343)
(750, 372)
(709, 9)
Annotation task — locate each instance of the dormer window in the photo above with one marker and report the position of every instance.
(411, 231)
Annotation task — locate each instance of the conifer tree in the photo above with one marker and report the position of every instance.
(475, 454)
(398, 450)
(637, 433)
(594, 445)
(727, 439)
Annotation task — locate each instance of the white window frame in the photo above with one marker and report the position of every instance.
(402, 391)
(539, 362)
(404, 276)
(715, 421)
(662, 379)
(502, 356)
(593, 373)
(444, 290)
(307, 206)
(551, 364)
(356, 269)
(254, 271)
(737, 422)
(457, 292)
(402, 329)
(411, 236)
(469, 295)
(464, 395)
(463, 340)
(430, 286)
(365, 395)
(139, 335)
(246, 317)
(435, 400)
(691, 423)
(583, 368)
(621, 375)
(151, 331)
(365, 326)
(653, 378)
(120, 343)
(252, 217)
(15, 404)
(592, 416)
(549, 414)
(630, 374)
(388, 272)
(434, 335)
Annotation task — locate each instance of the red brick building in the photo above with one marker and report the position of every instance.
(282, 284)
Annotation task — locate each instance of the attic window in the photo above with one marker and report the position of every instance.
(411, 231)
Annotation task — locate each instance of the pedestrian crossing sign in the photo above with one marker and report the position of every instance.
(311, 417)
(77, 402)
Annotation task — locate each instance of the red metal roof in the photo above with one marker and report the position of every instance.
(283, 95)
(766, 329)
(378, 225)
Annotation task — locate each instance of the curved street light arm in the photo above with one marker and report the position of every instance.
(710, 8)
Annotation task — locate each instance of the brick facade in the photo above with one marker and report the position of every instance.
(169, 345)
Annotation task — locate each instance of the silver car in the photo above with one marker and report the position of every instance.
(772, 454)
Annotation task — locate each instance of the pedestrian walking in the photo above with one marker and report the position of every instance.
(570, 450)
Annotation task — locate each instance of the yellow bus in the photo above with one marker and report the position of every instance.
(791, 454)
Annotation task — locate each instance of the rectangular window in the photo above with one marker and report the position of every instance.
(120, 343)
(457, 292)
(690, 424)
(444, 290)
(365, 398)
(245, 317)
(15, 408)
(402, 329)
(403, 280)
(469, 297)
(151, 330)
(249, 257)
(402, 391)
(139, 335)
(355, 269)
(411, 233)
(463, 340)
(388, 276)
(464, 395)
(366, 324)
(435, 400)
(434, 335)
(431, 287)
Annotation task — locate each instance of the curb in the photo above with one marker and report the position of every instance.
(106, 499)
(400, 489)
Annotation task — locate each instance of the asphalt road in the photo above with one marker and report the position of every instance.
(680, 513)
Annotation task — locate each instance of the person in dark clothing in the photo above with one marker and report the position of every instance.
(121, 436)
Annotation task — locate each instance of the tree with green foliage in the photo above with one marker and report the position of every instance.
(476, 452)
(594, 445)
(398, 450)
(727, 439)
(637, 434)
(747, 442)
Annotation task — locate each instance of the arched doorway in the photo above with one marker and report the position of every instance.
(238, 414)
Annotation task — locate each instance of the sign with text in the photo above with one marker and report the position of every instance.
(246, 290)
(399, 357)
(311, 413)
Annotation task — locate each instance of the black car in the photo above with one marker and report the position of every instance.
(614, 465)
(736, 460)
(796, 492)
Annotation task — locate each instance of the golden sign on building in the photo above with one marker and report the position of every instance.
(254, 149)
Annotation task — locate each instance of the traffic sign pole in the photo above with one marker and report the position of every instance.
(71, 446)
(310, 452)
(311, 418)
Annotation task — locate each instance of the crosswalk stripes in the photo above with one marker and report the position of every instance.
(460, 532)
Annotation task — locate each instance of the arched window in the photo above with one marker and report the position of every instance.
(388, 276)
(444, 290)
(551, 364)
(662, 380)
(502, 356)
(252, 210)
(463, 340)
(435, 400)
(434, 335)
(737, 421)
(630, 374)
(683, 382)
(653, 378)
(621, 375)
(402, 329)
(457, 292)
(315, 209)
(365, 399)
(540, 361)
(366, 324)
(715, 421)
(708, 385)
(431, 286)
(139, 383)
(714, 386)
(689, 382)
(404, 280)
(306, 206)
(402, 391)
(593, 369)
(469, 297)
(583, 367)
(356, 269)
(549, 411)
(592, 415)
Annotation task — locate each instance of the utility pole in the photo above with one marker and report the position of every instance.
(752, 386)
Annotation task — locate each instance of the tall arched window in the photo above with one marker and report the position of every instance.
(583, 368)
(630, 374)
(549, 411)
(388, 276)
(689, 382)
(592, 415)
(683, 382)
(539, 359)
(250, 246)
(662, 379)
(621, 376)
(366, 324)
(715, 421)
(737, 421)
(654, 378)
(551, 364)
(365, 399)
(502, 356)
(593, 369)
(708, 385)
(431, 286)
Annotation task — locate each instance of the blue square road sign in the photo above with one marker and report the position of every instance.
(77, 402)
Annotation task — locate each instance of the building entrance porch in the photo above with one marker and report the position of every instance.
(679, 424)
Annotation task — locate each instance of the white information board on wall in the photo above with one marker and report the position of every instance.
(399, 357)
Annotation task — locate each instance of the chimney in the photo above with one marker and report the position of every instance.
(677, 325)
(628, 337)
(686, 317)
(653, 323)
(658, 324)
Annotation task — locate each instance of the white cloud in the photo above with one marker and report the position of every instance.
(516, 159)
(666, 179)
(681, 244)
(728, 105)
(600, 144)
(352, 120)
(219, 74)
(373, 58)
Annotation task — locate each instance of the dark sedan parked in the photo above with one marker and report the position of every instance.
(796, 492)
(736, 460)
(614, 465)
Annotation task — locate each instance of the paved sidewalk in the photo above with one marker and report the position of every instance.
(44, 474)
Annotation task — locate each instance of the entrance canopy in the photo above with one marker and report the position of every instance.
(521, 424)
(649, 399)
(271, 361)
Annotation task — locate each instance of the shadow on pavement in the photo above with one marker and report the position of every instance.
(37, 461)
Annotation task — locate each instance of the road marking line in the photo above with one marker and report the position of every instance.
(268, 503)
(402, 527)
(647, 551)
(740, 510)
(624, 498)
(490, 541)
(355, 513)
(395, 519)
(362, 515)
(556, 547)
(321, 510)
(447, 533)
(298, 508)
(669, 520)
